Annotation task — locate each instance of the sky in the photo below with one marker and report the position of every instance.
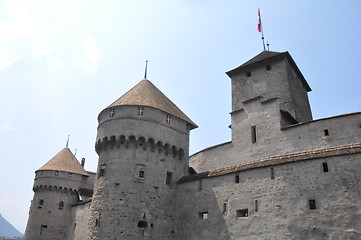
(63, 61)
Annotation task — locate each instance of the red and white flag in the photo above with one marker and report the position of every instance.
(259, 26)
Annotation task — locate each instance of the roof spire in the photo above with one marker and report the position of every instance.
(67, 141)
(146, 69)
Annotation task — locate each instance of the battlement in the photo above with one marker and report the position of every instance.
(141, 142)
(50, 188)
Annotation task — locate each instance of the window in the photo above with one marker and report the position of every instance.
(312, 203)
(268, 67)
(242, 213)
(248, 74)
(139, 172)
(224, 208)
(101, 170)
(41, 203)
(167, 119)
(42, 227)
(69, 175)
(254, 134)
(142, 224)
(272, 173)
(237, 178)
(256, 205)
(168, 180)
(326, 132)
(56, 173)
(61, 205)
(203, 215)
(111, 114)
(325, 167)
(140, 110)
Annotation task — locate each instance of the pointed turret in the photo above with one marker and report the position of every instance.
(148, 95)
(64, 161)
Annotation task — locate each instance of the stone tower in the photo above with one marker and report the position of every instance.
(56, 187)
(143, 148)
(269, 92)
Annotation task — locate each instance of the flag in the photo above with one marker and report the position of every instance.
(259, 27)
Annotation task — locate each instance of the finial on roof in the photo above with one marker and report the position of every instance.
(75, 152)
(267, 46)
(146, 69)
(67, 141)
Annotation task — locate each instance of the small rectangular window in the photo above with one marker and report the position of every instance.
(248, 74)
(141, 174)
(168, 180)
(41, 203)
(254, 134)
(56, 173)
(326, 132)
(268, 67)
(70, 175)
(42, 227)
(237, 178)
(142, 224)
(61, 205)
(256, 205)
(167, 120)
(224, 208)
(242, 213)
(140, 110)
(203, 215)
(325, 167)
(312, 203)
(272, 173)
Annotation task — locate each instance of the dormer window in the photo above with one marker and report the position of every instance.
(167, 119)
(140, 110)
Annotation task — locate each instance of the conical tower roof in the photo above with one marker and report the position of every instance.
(64, 161)
(146, 94)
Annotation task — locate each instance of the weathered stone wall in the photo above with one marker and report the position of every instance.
(272, 139)
(78, 222)
(277, 202)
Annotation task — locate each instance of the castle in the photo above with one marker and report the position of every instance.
(283, 175)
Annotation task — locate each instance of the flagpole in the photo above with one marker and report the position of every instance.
(260, 28)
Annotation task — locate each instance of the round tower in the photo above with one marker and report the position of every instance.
(142, 143)
(55, 189)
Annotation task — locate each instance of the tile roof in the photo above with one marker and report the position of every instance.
(276, 160)
(64, 161)
(146, 94)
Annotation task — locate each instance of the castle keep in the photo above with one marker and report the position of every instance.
(283, 175)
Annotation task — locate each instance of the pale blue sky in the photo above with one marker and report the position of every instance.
(62, 62)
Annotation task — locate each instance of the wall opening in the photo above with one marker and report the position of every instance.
(248, 74)
(325, 167)
(42, 227)
(256, 205)
(268, 67)
(312, 204)
(272, 173)
(41, 203)
(142, 224)
(326, 132)
(101, 170)
(140, 110)
(203, 215)
(224, 208)
(61, 205)
(237, 178)
(242, 213)
(254, 134)
(169, 177)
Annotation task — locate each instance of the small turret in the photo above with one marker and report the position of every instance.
(56, 187)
